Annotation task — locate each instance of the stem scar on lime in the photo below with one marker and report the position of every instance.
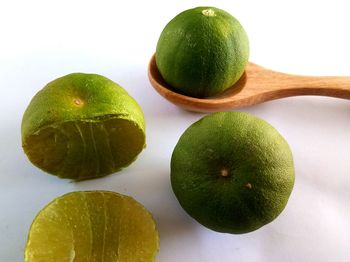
(250, 190)
(248, 185)
(78, 102)
(82, 126)
(224, 172)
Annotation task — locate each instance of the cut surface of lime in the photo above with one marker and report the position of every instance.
(232, 172)
(92, 226)
(82, 126)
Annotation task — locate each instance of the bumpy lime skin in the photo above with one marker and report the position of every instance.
(232, 172)
(199, 55)
(55, 102)
(75, 118)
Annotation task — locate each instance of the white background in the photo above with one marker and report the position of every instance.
(42, 40)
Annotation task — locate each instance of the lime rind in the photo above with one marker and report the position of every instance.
(99, 95)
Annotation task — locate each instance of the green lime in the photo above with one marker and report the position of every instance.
(92, 226)
(202, 51)
(82, 126)
(232, 172)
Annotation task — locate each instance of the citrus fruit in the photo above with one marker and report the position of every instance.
(82, 126)
(232, 172)
(202, 51)
(92, 226)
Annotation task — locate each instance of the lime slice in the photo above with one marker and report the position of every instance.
(82, 126)
(92, 226)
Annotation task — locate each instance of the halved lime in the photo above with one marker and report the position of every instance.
(82, 126)
(92, 226)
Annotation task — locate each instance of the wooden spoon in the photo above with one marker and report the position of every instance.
(257, 85)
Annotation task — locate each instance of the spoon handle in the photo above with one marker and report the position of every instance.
(292, 85)
(261, 84)
(284, 85)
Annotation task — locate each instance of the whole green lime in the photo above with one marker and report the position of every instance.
(232, 172)
(202, 51)
(82, 126)
(92, 226)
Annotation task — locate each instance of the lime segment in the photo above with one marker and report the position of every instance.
(53, 223)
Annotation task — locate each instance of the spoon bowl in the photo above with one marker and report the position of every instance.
(256, 85)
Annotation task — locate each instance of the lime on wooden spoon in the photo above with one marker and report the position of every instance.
(201, 64)
(256, 85)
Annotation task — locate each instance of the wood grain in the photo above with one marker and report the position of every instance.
(257, 85)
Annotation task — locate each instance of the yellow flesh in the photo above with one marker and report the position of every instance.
(85, 149)
(92, 226)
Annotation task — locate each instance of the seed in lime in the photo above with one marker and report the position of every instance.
(232, 172)
(82, 126)
(92, 226)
